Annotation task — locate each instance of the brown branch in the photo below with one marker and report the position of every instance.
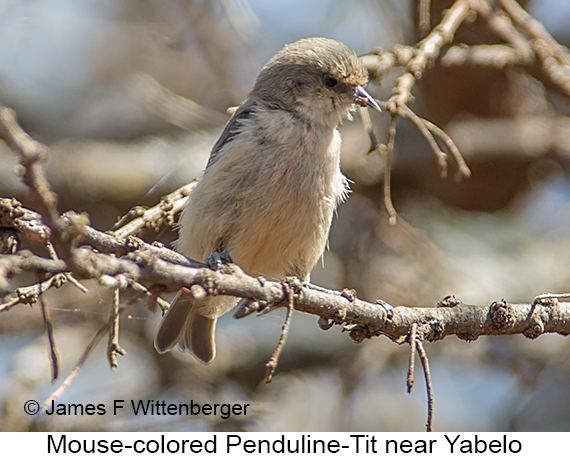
(367, 124)
(484, 55)
(428, 130)
(53, 353)
(11, 265)
(424, 23)
(558, 73)
(157, 216)
(466, 322)
(429, 49)
(31, 154)
(113, 347)
(463, 169)
(30, 294)
(412, 359)
(416, 60)
(92, 344)
(71, 377)
(535, 29)
(68, 276)
(388, 204)
(407, 113)
(526, 41)
(163, 304)
(429, 386)
(30, 225)
(26, 222)
(271, 365)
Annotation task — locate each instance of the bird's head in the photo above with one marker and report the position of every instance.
(318, 79)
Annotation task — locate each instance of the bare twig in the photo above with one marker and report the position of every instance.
(441, 156)
(463, 169)
(430, 47)
(467, 322)
(53, 354)
(550, 298)
(10, 304)
(70, 378)
(92, 344)
(424, 22)
(113, 347)
(271, 365)
(535, 29)
(502, 25)
(428, 130)
(412, 360)
(367, 123)
(392, 214)
(163, 304)
(26, 222)
(429, 385)
(558, 73)
(497, 55)
(155, 217)
(31, 154)
(68, 276)
(30, 294)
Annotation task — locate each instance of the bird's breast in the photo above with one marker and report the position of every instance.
(271, 203)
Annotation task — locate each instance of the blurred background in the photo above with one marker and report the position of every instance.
(101, 82)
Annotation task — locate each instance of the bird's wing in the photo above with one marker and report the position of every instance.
(245, 111)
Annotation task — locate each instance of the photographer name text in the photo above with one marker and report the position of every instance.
(148, 408)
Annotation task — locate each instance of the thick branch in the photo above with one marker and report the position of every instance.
(364, 319)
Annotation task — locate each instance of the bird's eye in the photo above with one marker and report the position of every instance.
(330, 81)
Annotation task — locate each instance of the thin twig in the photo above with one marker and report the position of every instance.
(53, 354)
(92, 344)
(549, 297)
(451, 146)
(501, 24)
(29, 295)
(388, 172)
(68, 276)
(499, 56)
(424, 22)
(164, 212)
(113, 347)
(419, 122)
(412, 361)
(429, 386)
(430, 47)
(67, 382)
(271, 365)
(161, 302)
(31, 153)
(6, 306)
(367, 123)
(535, 28)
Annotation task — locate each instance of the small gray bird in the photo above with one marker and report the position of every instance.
(272, 181)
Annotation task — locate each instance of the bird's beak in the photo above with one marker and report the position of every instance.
(363, 98)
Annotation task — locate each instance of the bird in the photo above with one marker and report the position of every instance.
(272, 181)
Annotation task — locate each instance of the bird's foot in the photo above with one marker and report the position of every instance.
(217, 260)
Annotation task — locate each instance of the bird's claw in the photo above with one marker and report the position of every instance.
(217, 260)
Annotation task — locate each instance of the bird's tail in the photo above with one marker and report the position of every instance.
(192, 332)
